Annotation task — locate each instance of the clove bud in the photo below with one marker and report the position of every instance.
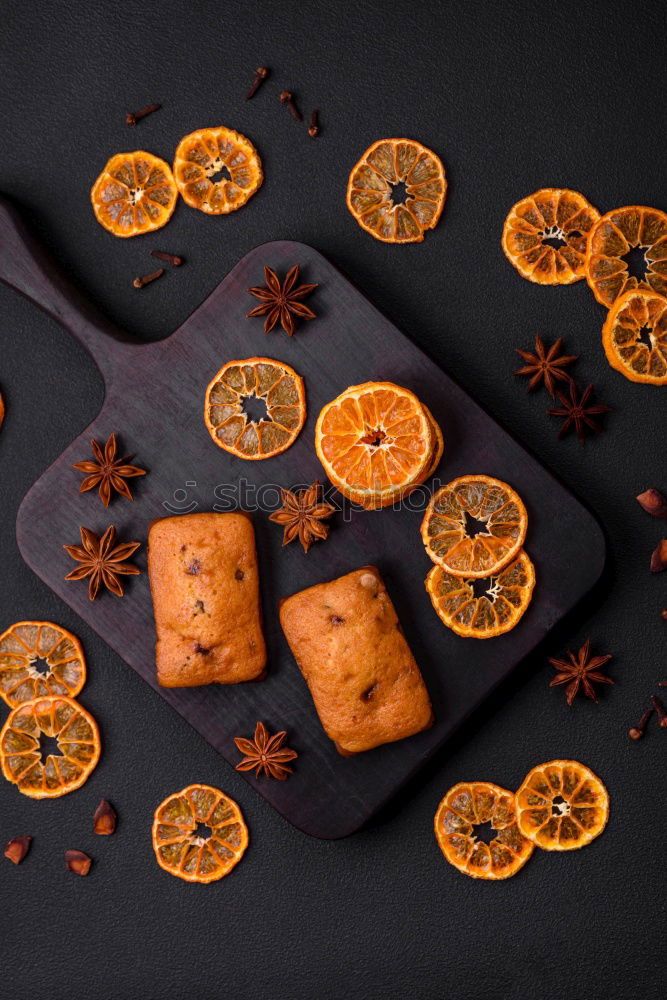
(636, 732)
(17, 849)
(78, 862)
(659, 557)
(660, 711)
(104, 819)
(653, 502)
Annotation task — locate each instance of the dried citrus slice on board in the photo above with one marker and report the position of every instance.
(199, 834)
(376, 202)
(634, 336)
(463, 808)
(280, 395)
(374, 440)
(562, 806)
(25, 760)
(474, 526)
(486, 614)
(545, 236)
(634, 231)
(217, 170)
(134, 194)
(24, 646)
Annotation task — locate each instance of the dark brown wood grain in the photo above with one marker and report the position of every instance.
(154, 401)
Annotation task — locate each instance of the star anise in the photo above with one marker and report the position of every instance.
(580, 670)
(108, 471)
(545, 365)
(578, 412)
(102, 560)
(281, 301)
(265, 754)
(302, 515)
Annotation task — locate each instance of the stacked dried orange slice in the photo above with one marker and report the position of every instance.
(482, 582)
(377, 442)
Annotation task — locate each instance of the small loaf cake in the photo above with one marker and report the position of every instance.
(205, 586)
(348, 644)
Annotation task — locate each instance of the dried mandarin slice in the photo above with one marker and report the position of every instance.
(634, 336)
(545, 236)
(276, 387)
(199, 834)
(134, 194)
(496, 610)
(634, 231)
(562, 806)
(474, 526)
(397, 215)
(217, 170)
(38, 659)
(26, 763)
(461, 811)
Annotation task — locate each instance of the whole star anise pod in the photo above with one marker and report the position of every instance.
(108, 471)
(545, 365)
(578, 412)
(281, 301)
(302, 515)
(265, 754)
(102, 560)
(580, 670)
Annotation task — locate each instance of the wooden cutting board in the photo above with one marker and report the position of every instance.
(154, 401)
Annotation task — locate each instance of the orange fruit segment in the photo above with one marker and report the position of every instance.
(134, 194)
(217, 170)
(375, 441)
(26, 644)
(463, 808)
(545, 236)
(634, 336)
(562, 806)
(489, 614)
(474, 526)
(58, 773)
(614, 237)
(276, 387)
(199, 834)
(371, 190)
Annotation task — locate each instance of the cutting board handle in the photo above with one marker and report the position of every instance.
(29, 269)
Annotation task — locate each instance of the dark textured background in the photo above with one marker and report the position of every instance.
(512, 99)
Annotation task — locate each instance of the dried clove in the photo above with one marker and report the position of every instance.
(132, 117)
(171, 258)
(146, 280)
(261, 74)
(660, 711)
(636, 732)
(314, 127)
(104, 819)
(287, 98)
(17, 849)
(78, 862)
(653, 502)
(659, 557)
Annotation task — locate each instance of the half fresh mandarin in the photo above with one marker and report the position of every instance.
(39, 658)
(463, 809)
(562, 806)
(217, 170)
(199, 834)
(134, 194)
(634, 336)
(624, 238)
(397, 190)
(47, 772)
(545, 236)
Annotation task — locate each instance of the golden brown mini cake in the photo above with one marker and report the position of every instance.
(205, 586)
(348, 644)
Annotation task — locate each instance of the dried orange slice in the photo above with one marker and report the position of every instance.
(486, 614)
(627, 231)
(562, 806)
(375, 440)
(23, 646)
(463, 808)
(376, 203)
(474, 526)
(199, 834)
(634, 336)
(277, 389)
(545, 236)
(217, 170)
(25, 760)
(134, 194)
